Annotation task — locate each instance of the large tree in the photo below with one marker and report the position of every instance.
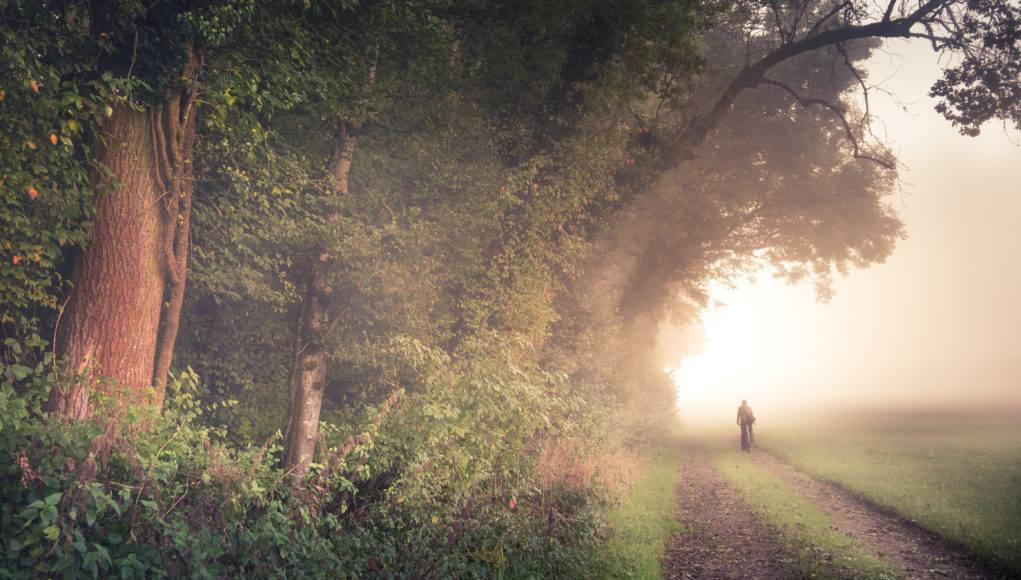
(146, 65)
(770, 163)
(776, 160)
(142, 154)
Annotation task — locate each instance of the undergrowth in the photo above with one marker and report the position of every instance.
(480, 473)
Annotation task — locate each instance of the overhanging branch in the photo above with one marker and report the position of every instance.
(838, 112)
(751, 75)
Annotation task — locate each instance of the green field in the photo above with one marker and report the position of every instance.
(959, 479)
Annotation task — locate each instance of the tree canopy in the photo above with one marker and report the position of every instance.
(411, 246)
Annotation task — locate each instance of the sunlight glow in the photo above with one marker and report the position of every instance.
(745, 340)
(934, 326)
(760, 348)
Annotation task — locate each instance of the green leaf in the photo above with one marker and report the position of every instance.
(18, 372)
(29, 514)
(52, 532)
(48, 515)
(89, 563)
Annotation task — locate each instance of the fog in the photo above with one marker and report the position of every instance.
(935, 328)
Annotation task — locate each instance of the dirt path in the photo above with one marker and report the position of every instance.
(722, 540)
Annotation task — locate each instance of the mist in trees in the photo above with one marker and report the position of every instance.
(400, 248)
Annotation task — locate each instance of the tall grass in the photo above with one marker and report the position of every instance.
(962, 481)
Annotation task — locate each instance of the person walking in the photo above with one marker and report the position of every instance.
(746, 418)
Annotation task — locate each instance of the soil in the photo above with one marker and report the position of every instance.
(720, 537)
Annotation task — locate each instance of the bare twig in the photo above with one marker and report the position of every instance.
(187, 486)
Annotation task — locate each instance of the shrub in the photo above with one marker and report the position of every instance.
(485, 469)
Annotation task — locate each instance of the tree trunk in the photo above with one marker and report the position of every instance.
(112, 318)
(306, 396)
(174, 130)
(309, 376)
(139, 244)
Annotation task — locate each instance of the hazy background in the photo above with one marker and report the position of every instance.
(937, 326)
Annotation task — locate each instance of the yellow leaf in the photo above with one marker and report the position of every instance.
(30, 144)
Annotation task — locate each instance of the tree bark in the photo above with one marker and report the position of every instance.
(139, 244)
(174, 131)
(112, 318)
(309, 375)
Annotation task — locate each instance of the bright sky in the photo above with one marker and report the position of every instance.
(938, 324)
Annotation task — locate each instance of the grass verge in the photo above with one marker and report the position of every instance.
(642, 524)
(958, 480)
(812, 546)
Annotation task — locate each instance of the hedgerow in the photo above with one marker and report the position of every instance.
(470, 475)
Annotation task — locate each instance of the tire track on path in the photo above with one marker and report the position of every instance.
(921, 554)
(720, 537)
